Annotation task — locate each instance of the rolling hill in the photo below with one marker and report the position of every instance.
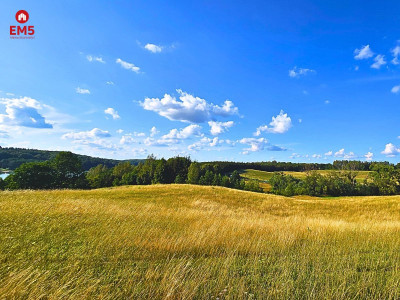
(196, 242)
(12, 158)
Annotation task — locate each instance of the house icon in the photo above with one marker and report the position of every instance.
(22, 17)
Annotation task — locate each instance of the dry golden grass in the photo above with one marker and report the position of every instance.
(197, 242)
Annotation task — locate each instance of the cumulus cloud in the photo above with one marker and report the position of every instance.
(83, 135)
(127, 139)
(127, 65)
(139, 134)
(258, 145)
(396, 53)
(82, 91)
(175, 136)
(206, 142)
(188, 108)
(153, 48)
(110, 82)
(255, 144)
(95, 58)
(341, 153)
(329, 153)
(369, 156)
(153, 131)
(191, 130)
(363, 53)
(396, 89)
(23, 112)
(112, 112)
(279, 124)
(391, 150)
(297, 72)
(379, 61)
(93, 138)
(217, 128)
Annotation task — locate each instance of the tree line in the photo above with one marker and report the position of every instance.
(384, 179)
(66, 171)
(11, 158)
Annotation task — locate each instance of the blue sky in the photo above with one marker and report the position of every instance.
(216, 80)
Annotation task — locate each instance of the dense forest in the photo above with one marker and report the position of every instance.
(12, 158)
(66, 171)
(384, 179)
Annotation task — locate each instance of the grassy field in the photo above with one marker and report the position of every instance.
(197, 242)
(262, 176)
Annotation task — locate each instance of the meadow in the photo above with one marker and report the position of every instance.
(197, 242)
(263, 176)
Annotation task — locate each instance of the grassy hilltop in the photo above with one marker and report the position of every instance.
(185, 241)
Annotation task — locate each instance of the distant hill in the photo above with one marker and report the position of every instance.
(12, 158)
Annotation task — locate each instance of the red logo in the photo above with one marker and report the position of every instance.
(22, 32)
(22, 16)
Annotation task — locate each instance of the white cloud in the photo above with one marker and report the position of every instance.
(341, 153)
(363, 53)
(23, 112)
(112, 112)
(139, 134)
(175, 136)
(317, 156)
(188, 108)
(93, 138)
(184, 133)
(329, 153)
(120, 131)
(219, 127)
(153, 48)
(379, 61)
(255, 144)
(82, 91)
(295, 155)
(396, 53)
(396, 89)
(208, 142)
(214, 142)
(369, 156)
(95, 133)
(153, 131)
(297, 72)
(110, 82)
(279, 124)
(95, 58)
(127, 65)
(391, 150)
(126, 139)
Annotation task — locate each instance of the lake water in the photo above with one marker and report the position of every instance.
(3, 176)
